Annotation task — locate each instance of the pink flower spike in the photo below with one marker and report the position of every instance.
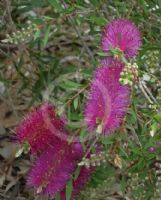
(40, 128)
(122, 34)
(108, 99)
(54, 168)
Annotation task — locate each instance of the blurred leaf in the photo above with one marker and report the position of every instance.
(123, 185)
(67, 84)
(158, 117)
(58, 197)
(69, 189)
(37, 3)
(103, 54)
(98, 20)
(45, 41)
(56, 4)
(77, 173)
(76, 103)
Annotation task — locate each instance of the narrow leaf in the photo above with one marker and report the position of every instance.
(69, 189)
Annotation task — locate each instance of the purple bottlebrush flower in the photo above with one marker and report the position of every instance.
(54, 168)
(121, 34)
(152, 149)
(108, 99)
(40, 128)
(79, 183)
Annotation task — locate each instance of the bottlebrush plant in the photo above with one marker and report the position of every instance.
(68, 160)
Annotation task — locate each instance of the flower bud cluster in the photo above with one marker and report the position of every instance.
(153, 106)
(22, 36)
(129, 74)
(100, 192)
(154, 8)
(138, 185)
(158, 177)
(94, 160)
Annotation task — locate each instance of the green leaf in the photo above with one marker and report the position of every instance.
(75, 124)
(56, 4)
(77, 172)
(153, 128)
(37, 34)
(45, 41)
(143, 5)
(124, 152)
(123, 184)
(102, 173)
(57, 196)
(82, 136)
(103, 54)
(76, 100)
(158, 117)
(107, 140)
(98, 20)
(69, 189)
(37, 3)
(68, 84)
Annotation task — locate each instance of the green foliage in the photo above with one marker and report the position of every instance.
(69, 189)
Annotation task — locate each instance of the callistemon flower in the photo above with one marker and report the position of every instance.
(54, 168)
(122, 35)
(79, 183)
(108, 99)
(41, 128)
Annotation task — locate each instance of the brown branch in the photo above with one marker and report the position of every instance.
(11, 24)
(77, 94)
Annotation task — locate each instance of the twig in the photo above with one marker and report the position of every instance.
(15, 191)
(136, 138)
(8, 9)
(90, 147)
(72, 21)
(144, 92)
(11, 101)
(156, 17)
(3, 53)
(6, 48)
(77, 94)
(148, 91)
